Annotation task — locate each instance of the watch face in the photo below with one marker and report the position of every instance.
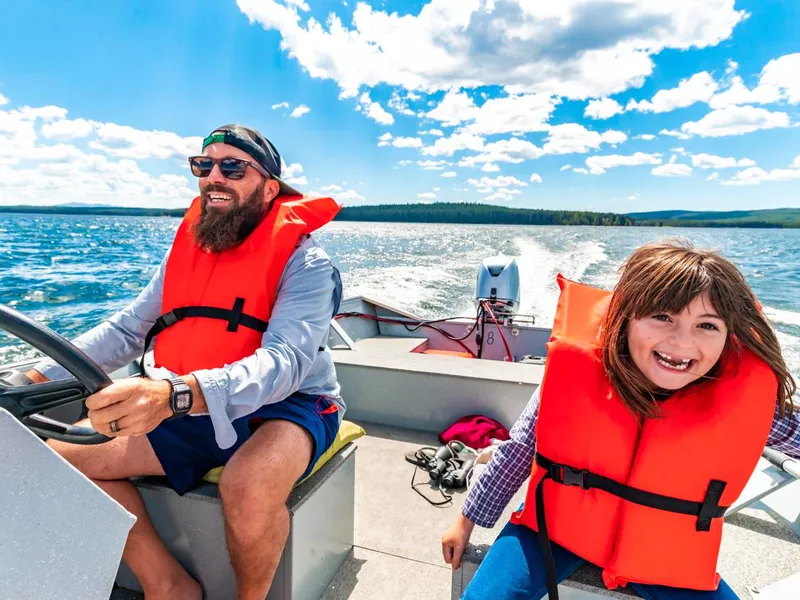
(183, 401)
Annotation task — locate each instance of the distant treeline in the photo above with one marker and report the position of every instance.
(473, 213)
(774, 217)
(477, 214)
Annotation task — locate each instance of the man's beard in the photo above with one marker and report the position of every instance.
(217, 232)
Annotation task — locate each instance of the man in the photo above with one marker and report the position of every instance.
(239, 311)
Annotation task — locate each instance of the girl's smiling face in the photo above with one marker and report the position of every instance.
(674, 350)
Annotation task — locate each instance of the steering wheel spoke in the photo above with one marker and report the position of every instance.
(26, 401)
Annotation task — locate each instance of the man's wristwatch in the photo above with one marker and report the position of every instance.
(181, 399)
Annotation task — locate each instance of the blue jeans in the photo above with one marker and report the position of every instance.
(514, 570)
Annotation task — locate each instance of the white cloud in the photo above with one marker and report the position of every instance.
(779, 80)
(581, 170)
(299, 111)
(350, 196)
(3, 100)
(436, 132)
(645, 136)
(433, 165)
(578, 49)
(427, 196)
(301, 4)
(399, 142)
(291, 174)
(677, 134)
(565, 168)
(35, 172)
(513, 151)
(604, 108)
(94, 179)
(796, 163)
(513, 114)
(331, 188)
(574, 138)
(635, 196)
(68, 129)
(536, 178)
(374, 110)
(127, 142)
(280, 105)
(736, 120)
(490, 168)
(449, 174)
(757, 175)
(455, 108)
(400, 104)
(600, 164)
(503, 194)
(502, 181)
(680, 150)
(407, 142)
(447, 146)
(713, 176)
(672, 169)
(436, 189)
(710, 161)
(698, 88)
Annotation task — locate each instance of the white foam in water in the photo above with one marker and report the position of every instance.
(786, 317)
(538, 267)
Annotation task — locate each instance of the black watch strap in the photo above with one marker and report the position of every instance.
(181, 399)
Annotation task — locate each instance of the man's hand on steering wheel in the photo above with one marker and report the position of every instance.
(129, 407)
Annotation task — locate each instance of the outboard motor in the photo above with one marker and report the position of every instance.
(498, 285)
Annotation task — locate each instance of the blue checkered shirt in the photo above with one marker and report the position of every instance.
(511, 464)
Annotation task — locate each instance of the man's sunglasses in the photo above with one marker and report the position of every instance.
(231, 168)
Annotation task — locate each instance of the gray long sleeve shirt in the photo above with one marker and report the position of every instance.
(288, 360)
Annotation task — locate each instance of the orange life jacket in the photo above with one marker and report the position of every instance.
(216, 305)
(644, 501)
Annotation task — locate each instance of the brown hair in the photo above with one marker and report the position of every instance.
(665, 277)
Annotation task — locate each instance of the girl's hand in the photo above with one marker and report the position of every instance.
(455, 540)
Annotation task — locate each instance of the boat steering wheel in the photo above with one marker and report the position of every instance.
(25, 402)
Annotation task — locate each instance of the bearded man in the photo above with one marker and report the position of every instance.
(239, 373)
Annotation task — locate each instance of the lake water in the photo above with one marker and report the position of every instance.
(69, 272)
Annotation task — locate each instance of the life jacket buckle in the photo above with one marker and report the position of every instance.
(569, 476)
(168, 319)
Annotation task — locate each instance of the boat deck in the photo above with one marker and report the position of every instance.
(397, 551)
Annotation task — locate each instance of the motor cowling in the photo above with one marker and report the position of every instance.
(498, 285)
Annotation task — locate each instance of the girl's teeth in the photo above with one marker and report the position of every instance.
(682, 367)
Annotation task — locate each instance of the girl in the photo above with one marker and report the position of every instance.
(654, 408)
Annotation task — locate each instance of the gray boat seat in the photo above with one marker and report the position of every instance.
(321, 510)
(585, 584)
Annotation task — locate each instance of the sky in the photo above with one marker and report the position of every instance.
(602, 105)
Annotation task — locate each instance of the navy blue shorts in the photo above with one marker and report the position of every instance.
(187, 449)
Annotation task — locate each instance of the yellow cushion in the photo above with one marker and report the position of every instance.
(348, 432)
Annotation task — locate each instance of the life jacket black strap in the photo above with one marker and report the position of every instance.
(705, 511)
(234, 316)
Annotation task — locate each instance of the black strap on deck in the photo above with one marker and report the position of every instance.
(705, 511)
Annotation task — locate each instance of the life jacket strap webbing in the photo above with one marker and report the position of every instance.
(234, 316)
(705, 511)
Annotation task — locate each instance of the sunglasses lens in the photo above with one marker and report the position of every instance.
(233, 168)
(201, 166)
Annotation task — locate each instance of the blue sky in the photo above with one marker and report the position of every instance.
(513, 102)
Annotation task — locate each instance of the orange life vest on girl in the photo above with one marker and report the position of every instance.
(643, 501)
(216, 305)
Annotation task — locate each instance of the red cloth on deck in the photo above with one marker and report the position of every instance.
(476, 431)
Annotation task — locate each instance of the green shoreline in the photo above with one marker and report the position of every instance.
(484, 214)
